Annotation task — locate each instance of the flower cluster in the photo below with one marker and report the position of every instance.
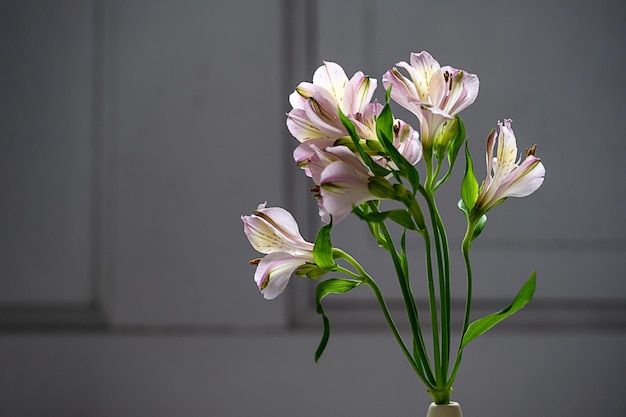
(357, 155)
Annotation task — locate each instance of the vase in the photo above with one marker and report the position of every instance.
(444, 410)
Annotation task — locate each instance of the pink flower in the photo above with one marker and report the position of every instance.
(507, 175)
(314, 114)
(433, 93)
(340, 177)
(406, 141)
(274, 232)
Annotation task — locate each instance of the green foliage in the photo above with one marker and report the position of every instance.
(480, 326)
(323, 249)
(457, 141)
(480, 223)
(402, 217)
(330, 286)
(356, 140)
(384, 131)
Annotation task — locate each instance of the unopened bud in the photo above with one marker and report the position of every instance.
(446, 133)
(310, 271)
(381, 188)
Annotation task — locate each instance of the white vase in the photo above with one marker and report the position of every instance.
(444, 410)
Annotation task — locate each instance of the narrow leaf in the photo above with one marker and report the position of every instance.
(480, 225)
(323, 249)
(330, 286)
(356, 140)
(403, 218)
(480, 326)
(456, 142)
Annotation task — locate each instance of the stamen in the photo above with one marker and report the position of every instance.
(531, 151)
(396, 128)
(254, 261)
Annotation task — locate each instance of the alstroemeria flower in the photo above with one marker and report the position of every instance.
(406, 141)
(507, 175)
(274, 232)
(314, 114)
(433, 93)
(340, 176)
(274, 271)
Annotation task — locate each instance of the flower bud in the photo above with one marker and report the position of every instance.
(310, 270)
(381, 188)
(445, 135)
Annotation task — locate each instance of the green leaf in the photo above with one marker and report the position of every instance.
(403, 261)
(480, 225)
(480, 326)
(323, 249)
(469, 186)
(462, 207)
(384, 122)
(330, 286)
(403, 218)
(456, 142)
(356, 140)
(384, 131)
(400, 216)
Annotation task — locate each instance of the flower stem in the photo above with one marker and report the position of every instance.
(443, 268)
(409, 302)
(465, 247)
(419, 347)
(416, 366)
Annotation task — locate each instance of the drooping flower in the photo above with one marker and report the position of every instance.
(314, 114)
(274, 232)
(433, 93)
(507, 175)
(274, 271)
(341, 178)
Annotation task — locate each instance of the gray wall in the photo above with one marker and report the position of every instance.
(134, 133)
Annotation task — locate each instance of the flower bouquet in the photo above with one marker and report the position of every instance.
(364, 162)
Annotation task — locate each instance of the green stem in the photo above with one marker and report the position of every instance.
(443, 268)
(381, 301)
(409, 301)
(465, 247)
(434, 319)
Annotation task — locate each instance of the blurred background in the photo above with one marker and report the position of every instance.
(133, 134)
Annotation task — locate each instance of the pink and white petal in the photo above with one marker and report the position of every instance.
(464, 92)
(525, 180)
(490, 161)
(407, 142)
(341, 188)
(345, 155)
(358, 93)
(301, 127)
(274, 271)
(402, 89)
(282, 220)
(323, 115)
(507, 146)
(307, 150)
(424, 64)
(333, 78)
(296, 100)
